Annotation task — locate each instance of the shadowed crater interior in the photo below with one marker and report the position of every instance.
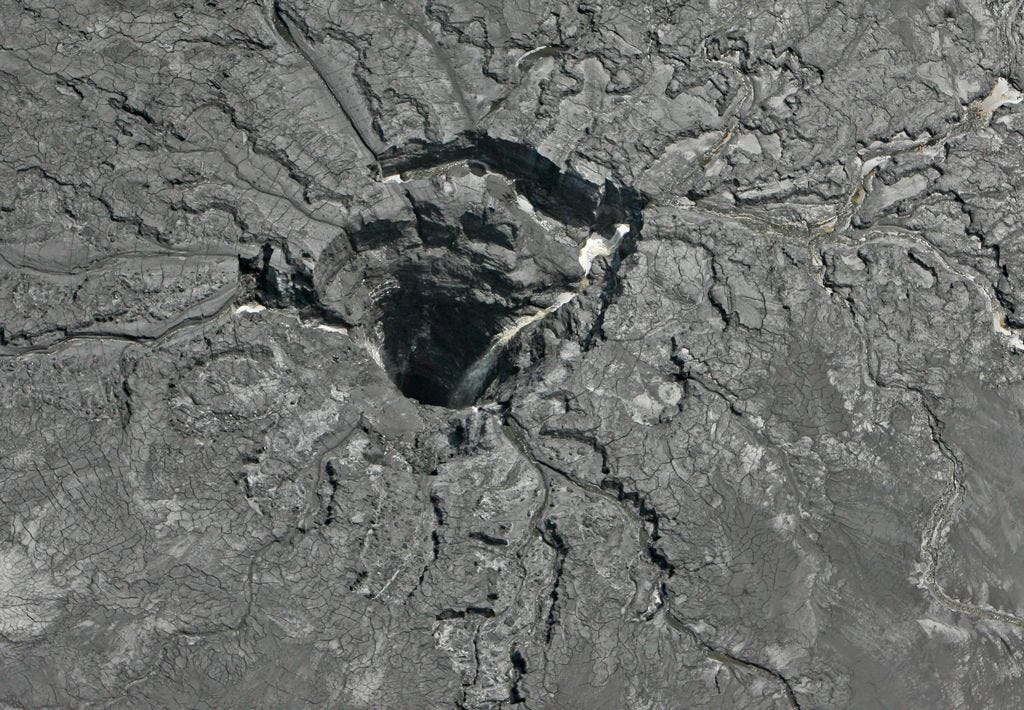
(489, 235)
(433, 337)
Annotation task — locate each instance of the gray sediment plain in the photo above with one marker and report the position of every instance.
(492, 353)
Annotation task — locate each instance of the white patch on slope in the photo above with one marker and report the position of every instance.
(1000, 328)
(332, 328)
(1002, 93)
(529, 54)
(250, 308)
(525, 205)
(596, 246)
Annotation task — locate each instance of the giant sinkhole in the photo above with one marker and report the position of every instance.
(491, 238)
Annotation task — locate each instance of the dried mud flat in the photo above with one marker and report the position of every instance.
(480, 353)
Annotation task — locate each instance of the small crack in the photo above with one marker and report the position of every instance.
(721, 656)
(553, 539)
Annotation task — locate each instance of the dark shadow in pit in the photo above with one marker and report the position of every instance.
(435, 339)
(438, 332)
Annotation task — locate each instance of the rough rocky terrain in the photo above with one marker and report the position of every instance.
(484, 353)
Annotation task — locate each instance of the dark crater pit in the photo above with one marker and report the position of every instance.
(488, 234)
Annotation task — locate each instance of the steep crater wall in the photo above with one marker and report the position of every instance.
(487, 240)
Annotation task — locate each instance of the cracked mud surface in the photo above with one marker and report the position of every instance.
(484, 354)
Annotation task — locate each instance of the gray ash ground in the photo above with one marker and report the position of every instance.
(481, 354)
